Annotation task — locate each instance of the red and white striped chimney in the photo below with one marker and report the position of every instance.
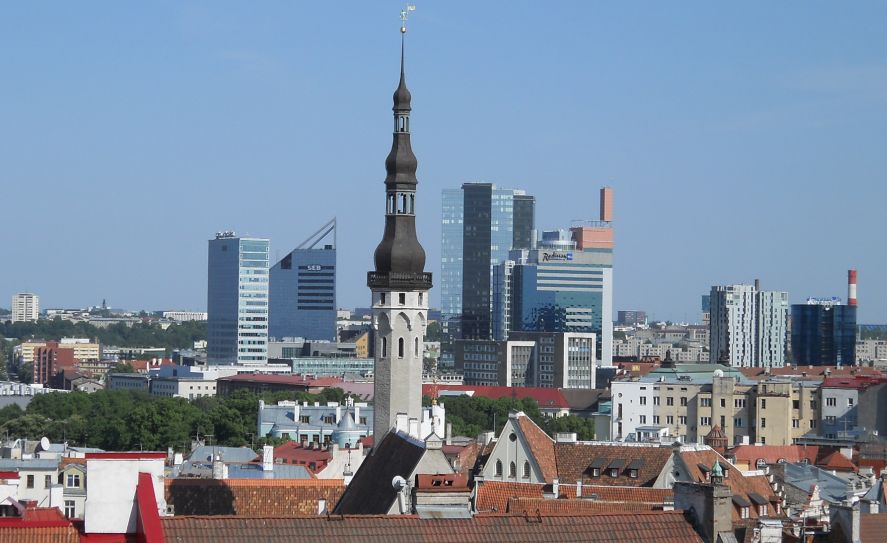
(851, 287)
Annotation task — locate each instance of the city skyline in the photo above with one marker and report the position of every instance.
(143, 164)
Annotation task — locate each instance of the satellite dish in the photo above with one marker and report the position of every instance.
(44, 443)
(719, 373)
(398, 483)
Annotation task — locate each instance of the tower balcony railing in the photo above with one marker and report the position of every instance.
(399, 280)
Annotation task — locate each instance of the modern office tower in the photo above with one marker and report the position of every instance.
(493, 222)
(563, 285)
(399, 285)
(631, 318)
(748, 326)
(25, 307)
(302, 291)
(824, 330)
(559, 288)
(237, 300)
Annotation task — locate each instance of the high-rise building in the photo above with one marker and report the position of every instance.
(481, 223)
(237, 300)
(25, 307)
(748, 326)
(302, 291)
(399, 285)
(824, 330)
(565, 284)
(631, 317)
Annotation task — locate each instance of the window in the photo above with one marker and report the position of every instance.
(682, 419)
(73, 480)
(849, 402)
(830, 419)
(304, 419)
(416, 347)
(402, 298)
(595, 472)
(812, 423)
(737, 422)
(70, 512)
(512, 470)
(831, 402)
(762, 510)
(642, 419)
(655, 400)
(614, 472)
(643, 400)
(47, 481)
(30, 482)
(384, 347)
(812, 404)
(669, 401)
(498, 468)
(739, 403)
(669, 419)
(723, 402)
(683, 401)
(526, 470)
(705, 421)
(796, 423)
(655, 419)
(633, 473)
(763, 423)
(382, 298)
(743, 512)
(796, 404)
(421, 298)
(706, 402)
(400, 347)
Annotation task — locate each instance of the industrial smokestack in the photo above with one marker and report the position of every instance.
(851, 287)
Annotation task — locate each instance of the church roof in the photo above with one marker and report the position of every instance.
(371, 491)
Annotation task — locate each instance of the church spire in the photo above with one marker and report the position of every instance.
(399, 251)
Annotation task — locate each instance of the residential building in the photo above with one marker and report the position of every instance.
(324, 366)
(748, 326)
(529, 359)
(302, 292)
(481, 223)
(871, 350)
(689, 400)
(183, 387)
(50, 360)
(185, 316)
(237, 300)
(823, 333)
(25, 307)
(84, 349)
(315, 423)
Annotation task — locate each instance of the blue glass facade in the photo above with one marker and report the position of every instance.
(237, 300)
(823, 335)
(303, 295)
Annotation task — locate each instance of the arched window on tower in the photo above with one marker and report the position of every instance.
(498, 468)
(403, 203)
(384, 347)
(526, 470)
(390, 208)
(412, 204)
(416, 347)
(512, 470)
(400, 347)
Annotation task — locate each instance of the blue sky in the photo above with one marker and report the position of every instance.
(743, 141)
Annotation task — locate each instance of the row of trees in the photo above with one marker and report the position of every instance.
(125, 420)
(179, 336)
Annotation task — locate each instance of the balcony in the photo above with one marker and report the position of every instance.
(399, 280)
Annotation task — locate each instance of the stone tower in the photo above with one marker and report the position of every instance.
(399, 283)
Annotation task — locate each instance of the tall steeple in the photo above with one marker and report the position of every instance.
(399, 284)
(400, 252)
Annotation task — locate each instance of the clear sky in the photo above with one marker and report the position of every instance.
(743, 140)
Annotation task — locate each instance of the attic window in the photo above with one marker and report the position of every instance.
(633, 473)
(595, 472)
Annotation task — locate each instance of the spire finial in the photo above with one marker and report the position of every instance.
(403, 17)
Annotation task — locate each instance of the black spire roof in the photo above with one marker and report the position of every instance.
(400, 258)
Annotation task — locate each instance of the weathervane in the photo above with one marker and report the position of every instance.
(403, 17)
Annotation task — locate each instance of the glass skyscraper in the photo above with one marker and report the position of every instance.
(493, 221)
(237, 300)
(303, 290)
(823, 334)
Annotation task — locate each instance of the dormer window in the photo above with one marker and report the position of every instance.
(595, 472)
(614, 472)
(743, 512)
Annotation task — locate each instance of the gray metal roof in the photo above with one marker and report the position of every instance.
(8, 464)
(205, 453)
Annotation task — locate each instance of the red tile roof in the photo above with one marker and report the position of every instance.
(661, 527)
(547, 398)
(292, 452)
(252, 497)
(541, 446)
(872, 527)
(38, 525)
(739, 484)
(837, 461)
(859, 382)
(546, 507)
(576, 460)
(771, 454)
(268, 378)
(627, 494)
(493, 496)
